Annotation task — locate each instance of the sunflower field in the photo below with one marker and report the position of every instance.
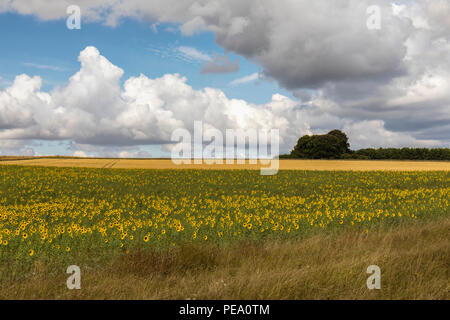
(85, 215)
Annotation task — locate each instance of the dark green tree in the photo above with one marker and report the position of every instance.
(344, 145)
(326, 146)
(335, 145)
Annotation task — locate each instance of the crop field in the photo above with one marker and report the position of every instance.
(141, 233)
(321, 165)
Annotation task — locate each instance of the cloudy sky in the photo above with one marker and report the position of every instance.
(138, 70)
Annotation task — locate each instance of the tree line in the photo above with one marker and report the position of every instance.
(335, 145)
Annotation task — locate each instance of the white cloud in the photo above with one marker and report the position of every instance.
(373, 134)
(193, 26)
(333, 43)
(102, 118)
(246, 79)
(80, 154)
(16, 148)
(134, 154)
(43, 66)
(194, 54)
(92, 109)
(397, 75)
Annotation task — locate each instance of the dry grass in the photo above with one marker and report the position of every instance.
(414, 259)
(354, 165)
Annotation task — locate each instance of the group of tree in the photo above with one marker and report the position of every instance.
(335, 145)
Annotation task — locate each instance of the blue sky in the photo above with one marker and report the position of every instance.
(323, 68)
(50, 50)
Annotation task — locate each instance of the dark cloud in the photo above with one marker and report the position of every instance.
(393, 82)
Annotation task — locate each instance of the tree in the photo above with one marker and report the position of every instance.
(326, 146)
(335, 145)
(344, 145)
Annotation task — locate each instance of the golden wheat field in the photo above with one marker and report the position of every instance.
(353, 165)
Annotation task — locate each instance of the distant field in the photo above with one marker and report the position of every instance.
(346, 165)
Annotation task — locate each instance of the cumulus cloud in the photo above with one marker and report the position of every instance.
(334, 42)
(86, 150)
(100, 117)
(16, 148)
(394, 78)
(93, 109)
(374, 134)
(80, 154)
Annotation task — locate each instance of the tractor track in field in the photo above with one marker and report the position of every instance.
(111, 164)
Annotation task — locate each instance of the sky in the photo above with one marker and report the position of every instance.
(138, 70)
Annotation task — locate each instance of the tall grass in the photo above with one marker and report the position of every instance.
(414, 260)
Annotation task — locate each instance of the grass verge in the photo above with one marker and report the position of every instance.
(414, 259)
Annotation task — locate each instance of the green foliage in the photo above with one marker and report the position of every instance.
(334, 145)
(403, 154)
(327, 146)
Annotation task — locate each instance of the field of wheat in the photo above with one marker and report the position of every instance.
(320, 165)
(53, 217)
